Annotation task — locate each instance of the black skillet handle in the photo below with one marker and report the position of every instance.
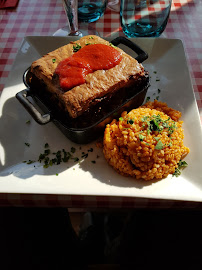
(142, 55)
(32, 110)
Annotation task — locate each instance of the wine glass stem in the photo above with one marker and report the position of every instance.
(71, 10)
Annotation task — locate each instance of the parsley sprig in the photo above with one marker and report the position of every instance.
(181, 165)
(76, 47)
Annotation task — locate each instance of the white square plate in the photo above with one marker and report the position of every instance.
(169, 72)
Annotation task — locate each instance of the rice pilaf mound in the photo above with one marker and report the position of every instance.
(145, 143)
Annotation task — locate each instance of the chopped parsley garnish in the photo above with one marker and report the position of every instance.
(91, 37)
(47, 152)
(46, 145)
(169, 144)
(76, 48)
(121, 119)
(49, 158)
(27, 144)
(84, 155)
(93, 161)
(112, 45)
(147, 99)
(141, 137)
(41, 157)
(177, 172)
(181, 165)
(66, 156)
(130, 121)
(144, 118)
(159, 145)
(53, 60)
(29, 161)
(156, 123)
(59, 156)
(172, 128)
(28, 122)
(73, 150)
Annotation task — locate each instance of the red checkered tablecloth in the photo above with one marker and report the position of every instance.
(42, 18)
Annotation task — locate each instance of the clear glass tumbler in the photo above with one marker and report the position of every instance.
(144, 18)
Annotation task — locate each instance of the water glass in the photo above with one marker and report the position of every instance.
(90, 11)
(144, 18)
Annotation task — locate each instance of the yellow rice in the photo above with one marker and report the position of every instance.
(131, 150)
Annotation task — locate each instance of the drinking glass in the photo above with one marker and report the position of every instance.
(71, 29)
(144, 18)
(91, 10)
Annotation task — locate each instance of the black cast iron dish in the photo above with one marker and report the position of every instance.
(82, 131)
